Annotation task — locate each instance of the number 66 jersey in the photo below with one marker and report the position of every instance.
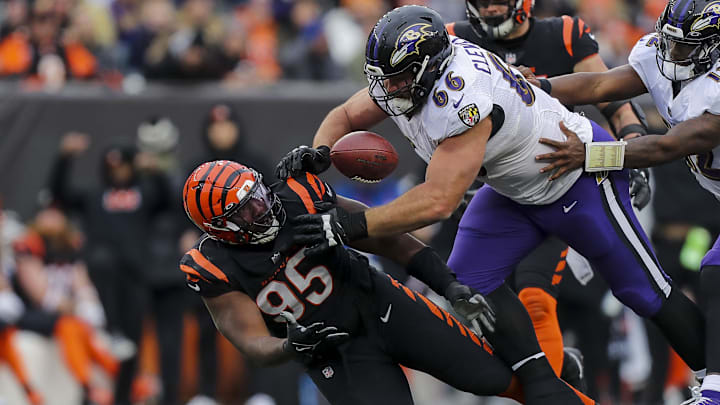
(477, 84)
(318, 288)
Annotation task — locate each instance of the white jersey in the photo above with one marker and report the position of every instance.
(697, 96)
(475, 81)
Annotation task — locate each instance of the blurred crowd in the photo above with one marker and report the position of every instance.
(123, 43)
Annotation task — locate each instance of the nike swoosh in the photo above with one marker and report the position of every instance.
(567, 209)
(386, 318)
(194, 286)
(455, 105)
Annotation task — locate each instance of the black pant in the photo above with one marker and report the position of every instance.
(121, 287)
(403, 327)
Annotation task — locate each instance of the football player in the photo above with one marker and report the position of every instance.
(678, 66)
(248, 251)
(468, 114)
(549, 47)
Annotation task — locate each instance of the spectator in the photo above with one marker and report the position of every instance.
(305, 53)
(61, 301)
(16, 17)
(42, 55)
(117, 215)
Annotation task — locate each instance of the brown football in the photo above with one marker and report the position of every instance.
(364, 156)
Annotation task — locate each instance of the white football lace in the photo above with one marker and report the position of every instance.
(361, 180)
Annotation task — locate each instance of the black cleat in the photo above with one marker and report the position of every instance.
(573, 370)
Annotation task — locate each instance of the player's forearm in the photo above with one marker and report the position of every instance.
(420, 206)
(334, 126)
(623, 117)
(577, 88)
(261, 350)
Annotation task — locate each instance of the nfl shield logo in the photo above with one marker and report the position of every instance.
(511, 58)
(328, 372)
(469, 115)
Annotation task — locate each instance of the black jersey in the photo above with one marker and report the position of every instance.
(551, 47)
(311, 288)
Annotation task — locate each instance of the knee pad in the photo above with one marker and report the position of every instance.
(539, 304)
(710, 281)
(644, 303)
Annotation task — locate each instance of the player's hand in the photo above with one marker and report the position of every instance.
(306, 343)
(332, 226)
(529, 75)
(640, 187)
(472, 306)
(303, 159)
(569, 155)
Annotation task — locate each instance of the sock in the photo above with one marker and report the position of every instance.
(683, 325)
(711, 384)
(542, 308)
(68, 332)
(710, 297)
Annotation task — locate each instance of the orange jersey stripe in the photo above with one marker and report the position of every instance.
(581, 27)
(432, 307)
(192, 272)
(207, 265)
(450, 28)
(567, 33)
(313, 184)
(302, 192)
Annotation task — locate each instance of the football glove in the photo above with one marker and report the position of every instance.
(303, 159)
(309, 343)
(329, 228)
(640, 187)
(472, 306)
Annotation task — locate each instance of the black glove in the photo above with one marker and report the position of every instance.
(640, 187)
(303, 159)
(328, 228)
(472, 306)
(309, 343)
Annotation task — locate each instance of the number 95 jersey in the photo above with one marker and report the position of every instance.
(476, 84)
(322, 288)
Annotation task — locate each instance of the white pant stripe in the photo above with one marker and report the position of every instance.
(634, 239)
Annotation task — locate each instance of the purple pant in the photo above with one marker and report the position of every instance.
(712, 257)
(597, 220)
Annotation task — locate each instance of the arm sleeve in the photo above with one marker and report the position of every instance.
(582, 41)
(642, 56)
(203, 276)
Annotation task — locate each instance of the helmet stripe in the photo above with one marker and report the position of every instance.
(378, 40)
(215, 193)
(682, 5)
(202, 183)
(228, 184)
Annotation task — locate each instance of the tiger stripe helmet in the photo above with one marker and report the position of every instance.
(230, 203)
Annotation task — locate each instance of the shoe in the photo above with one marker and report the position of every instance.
(573, 369)
(699, 399)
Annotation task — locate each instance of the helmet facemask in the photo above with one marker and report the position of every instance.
(687, 49)
(496, 26)
(257, 216)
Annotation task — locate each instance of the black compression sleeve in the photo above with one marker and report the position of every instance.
(428, 267)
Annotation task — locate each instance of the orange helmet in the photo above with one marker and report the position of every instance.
(230, 203)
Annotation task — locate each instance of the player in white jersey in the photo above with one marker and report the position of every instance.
(678, 65)
(468, 114)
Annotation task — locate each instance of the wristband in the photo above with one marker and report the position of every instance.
(631, 129)
(357, 226)
(602, 156)
(545, 85)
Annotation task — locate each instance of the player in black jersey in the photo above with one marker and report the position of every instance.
(377, 323)
(548, 47)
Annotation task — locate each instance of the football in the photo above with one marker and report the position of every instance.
(364, 156)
